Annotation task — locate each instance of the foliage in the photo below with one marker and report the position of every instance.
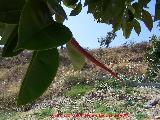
(30, 25)
(153, 58)
(105, 84)
(78, 90)
(77, 59)
(104, 42)
(44, 113)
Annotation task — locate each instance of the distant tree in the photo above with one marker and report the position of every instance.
(29, 24)
(105, 41)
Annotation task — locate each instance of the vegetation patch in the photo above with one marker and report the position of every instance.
(78, 90)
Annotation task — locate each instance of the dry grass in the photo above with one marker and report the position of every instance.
(121, 60)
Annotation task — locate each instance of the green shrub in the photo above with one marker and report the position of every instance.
(44, 113)
(153, 58)
(78, 90)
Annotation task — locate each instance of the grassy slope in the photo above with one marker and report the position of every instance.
(89, 90)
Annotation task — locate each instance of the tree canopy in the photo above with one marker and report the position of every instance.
(37, 25)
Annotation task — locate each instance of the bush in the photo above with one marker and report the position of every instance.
(153, 58)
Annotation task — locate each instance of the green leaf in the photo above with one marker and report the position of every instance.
(87, 2)
(130, 15)
(157, 10)
(106, 10)
(130, 7)
(77, 10)
(77, 59)
(113, 8)
(147, 19)
(59, 18)
(137, 26)
(11, 42)
(37, 30)
(138, 10)
(2, 27)
(144, 2)
(127, 28)
(7, 32)
(70, 3)
(53, 35)
(10, 10)
(39, 76)
(116, 22)
(57, 8)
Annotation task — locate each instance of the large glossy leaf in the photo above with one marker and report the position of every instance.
(117, 21)
(130, 16)
(57, 8)
(10, 10)
(113, 9)
(144, 2)
(59, 18)
(76, 57)
(70, 3)
(147, 19)
(105, 10)
(11, 42)
(2, 27)
(157, 10)
(127, 28)
(39, 76)
(6, 32)
(37, 30)
(77, 10)
(87, 2)
(137, 26)
(138, 10)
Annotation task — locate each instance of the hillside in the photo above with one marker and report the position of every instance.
(89, 90)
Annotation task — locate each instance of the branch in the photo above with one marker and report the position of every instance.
(76, 45)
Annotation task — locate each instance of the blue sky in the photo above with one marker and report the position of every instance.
(87, 31)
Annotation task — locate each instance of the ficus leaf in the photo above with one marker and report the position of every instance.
(137, 26)
(77, 10)
(59, 18)
(10, 10)
(37, 30)
(131, 9)
(105, 10)
(90, 2)
(127, 28)
(144, 2)
(113, 8)
(138, 10)
(130, 15)
(157, 10)
(11, 42)
(2, 27)
(57, 8)
(8, 29)
(76, 57)
(70, 3)
(147, 19)
(39, 76)
(53, 35)
(116, 22)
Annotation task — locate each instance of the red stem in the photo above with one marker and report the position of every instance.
(76, 45)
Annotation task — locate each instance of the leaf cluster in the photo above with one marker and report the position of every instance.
(104, 42)
(123, 14)
(153, 58)
(29, 25)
